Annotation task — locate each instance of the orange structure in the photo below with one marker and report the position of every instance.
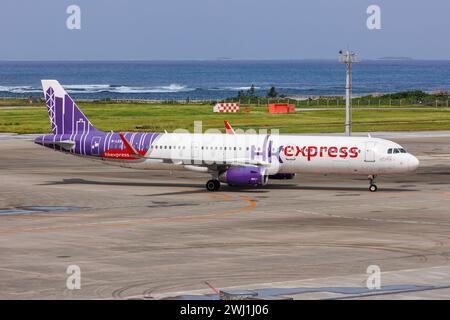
(281, 108)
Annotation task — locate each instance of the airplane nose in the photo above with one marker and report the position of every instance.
(413, 163)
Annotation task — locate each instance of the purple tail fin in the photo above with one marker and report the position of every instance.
(65, 116)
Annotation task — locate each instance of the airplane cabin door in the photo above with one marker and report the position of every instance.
(369, 152)
(196, 152)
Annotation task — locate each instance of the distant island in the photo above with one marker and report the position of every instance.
(395, 58)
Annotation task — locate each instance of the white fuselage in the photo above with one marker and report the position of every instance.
(278, 153)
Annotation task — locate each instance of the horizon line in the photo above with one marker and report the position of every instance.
(216, 59)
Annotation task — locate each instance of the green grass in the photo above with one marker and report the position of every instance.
(17, 102)
(159, 117)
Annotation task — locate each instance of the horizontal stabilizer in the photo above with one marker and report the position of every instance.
(65, 144)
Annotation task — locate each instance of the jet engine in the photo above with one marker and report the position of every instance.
(245, 176)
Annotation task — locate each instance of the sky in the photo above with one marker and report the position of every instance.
(211, 29)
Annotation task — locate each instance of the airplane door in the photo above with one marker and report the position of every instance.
(95, 146)
(369, 152)
(195, 152)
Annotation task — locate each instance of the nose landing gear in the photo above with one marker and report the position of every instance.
(372, 186)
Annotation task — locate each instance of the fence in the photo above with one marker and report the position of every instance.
(336, 102)
(332, 102)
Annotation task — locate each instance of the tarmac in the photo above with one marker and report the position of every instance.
(159, 235)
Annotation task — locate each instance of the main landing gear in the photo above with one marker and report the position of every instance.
(213, 185)
(372, 186)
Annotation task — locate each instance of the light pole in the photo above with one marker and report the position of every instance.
(348, 58)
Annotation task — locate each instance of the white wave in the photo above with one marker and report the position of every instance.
(19, 89)
(124, 89)
(241, 88)
(87, 87)
(155, 89)
(96, 88)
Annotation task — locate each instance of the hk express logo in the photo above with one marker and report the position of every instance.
(292, 152)
(310, 152)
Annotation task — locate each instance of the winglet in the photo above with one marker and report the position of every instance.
(228, 127)
(130, 149)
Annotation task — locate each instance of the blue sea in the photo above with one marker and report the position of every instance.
(205, 80)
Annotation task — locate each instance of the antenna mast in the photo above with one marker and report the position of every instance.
(348, 58)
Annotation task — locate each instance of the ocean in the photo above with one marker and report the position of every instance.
(218, 79)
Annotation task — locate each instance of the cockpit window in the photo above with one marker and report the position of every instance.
(396, 150)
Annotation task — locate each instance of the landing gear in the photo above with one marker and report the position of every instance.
(212, 185)
(372, 186)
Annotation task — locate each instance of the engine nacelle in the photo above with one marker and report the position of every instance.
(245, 176)
(282, 176)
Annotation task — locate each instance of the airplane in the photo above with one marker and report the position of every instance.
(236, 159)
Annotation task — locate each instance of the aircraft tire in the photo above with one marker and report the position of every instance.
(212, 185)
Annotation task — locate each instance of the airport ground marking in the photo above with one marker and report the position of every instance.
(249, 205)
(250, 201)
(307, 282)
(330, 215)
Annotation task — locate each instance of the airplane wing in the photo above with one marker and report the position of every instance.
(246, 162)
(220, 167)
(229, 128)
